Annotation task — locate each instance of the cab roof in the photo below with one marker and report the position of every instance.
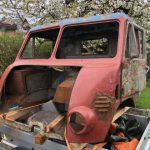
(82, 20)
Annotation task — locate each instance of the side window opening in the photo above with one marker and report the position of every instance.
(139, 38)
(95, 46)
(134, 43)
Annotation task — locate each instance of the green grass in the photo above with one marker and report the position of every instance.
(144, 99)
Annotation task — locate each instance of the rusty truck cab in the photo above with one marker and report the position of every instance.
(86, 67)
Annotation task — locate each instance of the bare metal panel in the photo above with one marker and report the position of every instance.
(26, 140)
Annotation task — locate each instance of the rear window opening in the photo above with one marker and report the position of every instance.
(89, 41)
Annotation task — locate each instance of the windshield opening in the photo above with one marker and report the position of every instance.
(40, 44)
(89, 41)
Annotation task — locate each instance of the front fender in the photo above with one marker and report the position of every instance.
(94, 87)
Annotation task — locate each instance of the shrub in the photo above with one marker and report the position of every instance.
(9, 46)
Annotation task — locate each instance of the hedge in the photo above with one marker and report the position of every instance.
(9, 46)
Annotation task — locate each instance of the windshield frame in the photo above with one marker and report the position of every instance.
(86, 23)
(120, 46)
(29, 36)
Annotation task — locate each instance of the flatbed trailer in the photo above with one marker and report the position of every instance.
(17, 139)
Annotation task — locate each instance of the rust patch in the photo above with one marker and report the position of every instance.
(133, 76)
(103, 106)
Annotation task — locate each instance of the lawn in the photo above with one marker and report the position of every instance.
(144, 99)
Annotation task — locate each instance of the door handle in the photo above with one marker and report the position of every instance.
(147, 69)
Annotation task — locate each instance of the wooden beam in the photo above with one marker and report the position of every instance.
(39, 139)
(16, 115)
(119, 113)
(54, 123)
(74, 146)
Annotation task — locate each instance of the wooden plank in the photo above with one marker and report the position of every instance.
(74, 146)
(16, 115)
(119, 113)
(21, 109)
(39, 139)
(1, 116)
(54, 123)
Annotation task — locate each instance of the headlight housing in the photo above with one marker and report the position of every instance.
(81, 119)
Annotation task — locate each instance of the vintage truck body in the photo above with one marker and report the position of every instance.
(87, 68)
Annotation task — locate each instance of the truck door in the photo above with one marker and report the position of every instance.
(134, 63)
